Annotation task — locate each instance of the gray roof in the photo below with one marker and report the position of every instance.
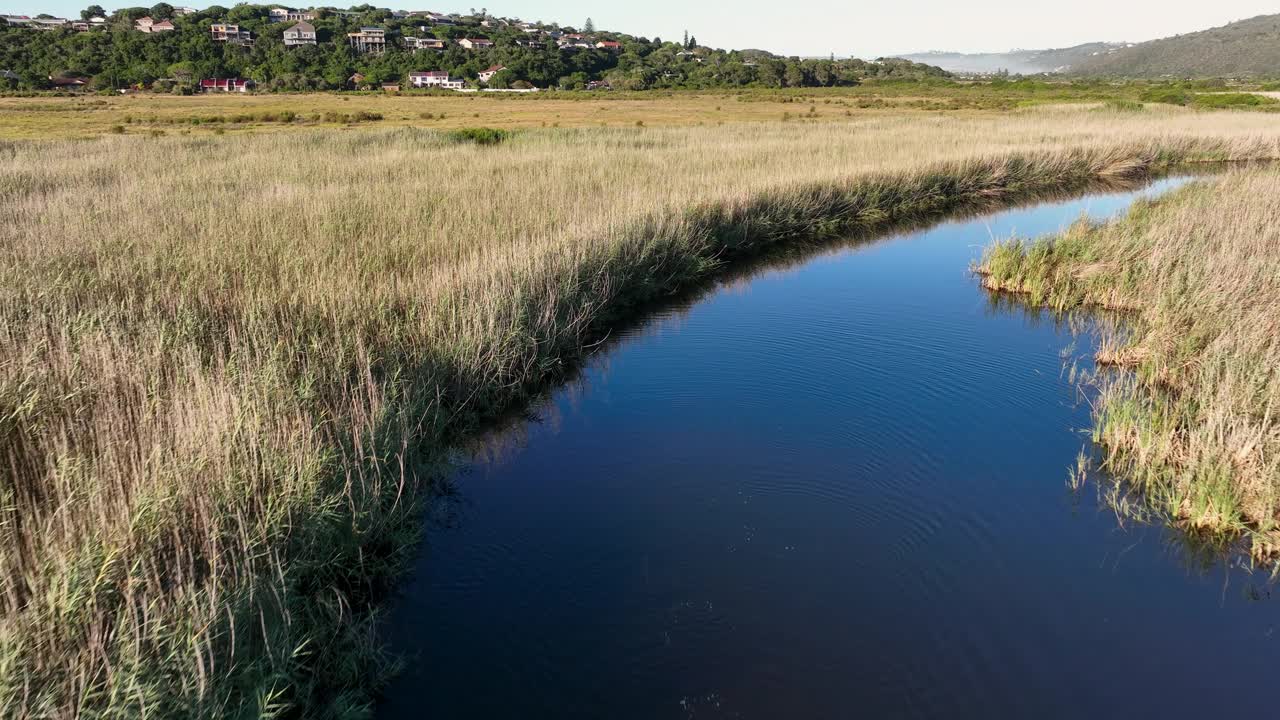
(303, 26)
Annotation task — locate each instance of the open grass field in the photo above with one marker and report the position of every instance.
(230, 365)
(148, 113)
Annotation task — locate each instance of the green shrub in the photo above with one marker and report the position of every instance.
(117, 129)
(1232, 100)
(479, 136)
(1122, 106)
(1167, 96)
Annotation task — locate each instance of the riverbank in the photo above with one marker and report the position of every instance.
(1193, 427)
(230, 366)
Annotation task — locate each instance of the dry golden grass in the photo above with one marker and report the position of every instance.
(1194, 428)
(49, 117)
(79, 117)
(226, 363)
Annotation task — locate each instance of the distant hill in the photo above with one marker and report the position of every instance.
(1248, 48)
(1016, 62)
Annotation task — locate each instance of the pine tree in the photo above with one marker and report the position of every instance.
(686, 40)
(588, 26)
(693, 42)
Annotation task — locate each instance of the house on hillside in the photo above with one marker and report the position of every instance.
(574, 40)
(230, 34)
(181, 11)
(487, 74)
(476, 43)
(372, 40)
(226, 85)
(303, 33)
(40, 23)
(609, 45)
(436, 79)
(68, 82)
(355, 82)
(15, 20)
(391, 87)
(279, 14)
(424, 43)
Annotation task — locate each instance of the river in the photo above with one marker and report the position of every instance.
(833, 487)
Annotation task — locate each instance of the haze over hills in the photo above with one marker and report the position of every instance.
(1016, 62)
(1247, 48)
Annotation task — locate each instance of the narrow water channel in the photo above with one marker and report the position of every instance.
(834, 489)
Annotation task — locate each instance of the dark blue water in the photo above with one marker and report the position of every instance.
(834, 489)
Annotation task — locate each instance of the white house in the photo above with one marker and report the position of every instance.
(49, 23)
(436, 79)
(303, 33)
(424, 43)
(487, 75)
(475, 43)
(280, 14)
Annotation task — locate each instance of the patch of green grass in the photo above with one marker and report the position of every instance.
(478, 135)
(1219, 101)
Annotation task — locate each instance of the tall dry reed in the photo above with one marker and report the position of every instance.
(228, 365)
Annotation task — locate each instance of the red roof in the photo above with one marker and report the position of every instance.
(496, 68)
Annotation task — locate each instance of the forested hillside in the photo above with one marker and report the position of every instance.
(116, 55)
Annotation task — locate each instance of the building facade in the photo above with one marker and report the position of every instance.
(371, 40)
(303, 33)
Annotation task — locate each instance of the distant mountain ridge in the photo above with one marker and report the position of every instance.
(1015, 62)
(1247, 48)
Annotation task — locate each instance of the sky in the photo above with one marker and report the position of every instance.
(821, 27)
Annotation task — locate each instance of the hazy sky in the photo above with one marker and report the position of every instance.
(819, 27)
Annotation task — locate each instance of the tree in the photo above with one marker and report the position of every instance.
(161, 11)
(686, 40)
(92, 11)
(693, 42)
(589, 26)
(794, 74)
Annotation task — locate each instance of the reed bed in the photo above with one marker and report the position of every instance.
(230, 366)
(1192, 430)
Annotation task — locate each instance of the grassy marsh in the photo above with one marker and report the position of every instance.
(53, 116)
(1193, 427)
(229, 365)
